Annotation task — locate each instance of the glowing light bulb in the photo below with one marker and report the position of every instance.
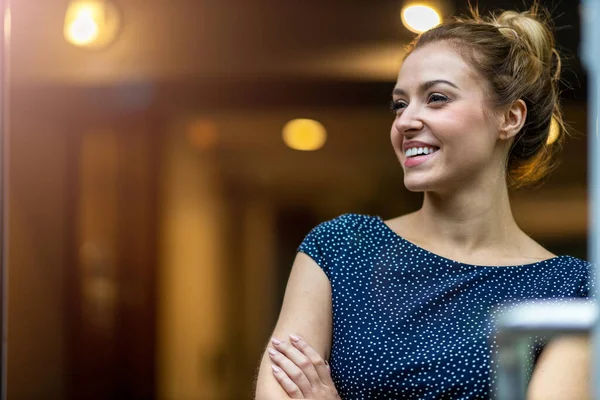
(91, 23)
(304, 134)
(420, 18)
(83, 30)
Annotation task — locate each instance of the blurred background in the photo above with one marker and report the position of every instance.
(166, 158)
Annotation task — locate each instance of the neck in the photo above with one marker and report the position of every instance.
(469, 221)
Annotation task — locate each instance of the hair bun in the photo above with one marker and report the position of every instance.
(531, 29)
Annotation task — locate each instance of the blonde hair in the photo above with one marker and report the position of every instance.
(515, 52)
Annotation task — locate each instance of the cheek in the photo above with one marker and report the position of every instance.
(461, 126)
(459, 115)
(467, 139)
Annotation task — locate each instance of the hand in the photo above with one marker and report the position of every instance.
(301, 371)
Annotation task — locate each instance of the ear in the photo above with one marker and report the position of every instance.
(513, 119)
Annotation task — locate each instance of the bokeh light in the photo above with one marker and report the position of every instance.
(554, 132)
(203, 134)
(304, 134)
(91, 23)
(420, 18)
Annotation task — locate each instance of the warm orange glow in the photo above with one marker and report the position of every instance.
(202, 134)
(304, 134)
(91, 23)
(420, 18)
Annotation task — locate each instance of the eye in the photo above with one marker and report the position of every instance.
(397, 105)
(437, 98)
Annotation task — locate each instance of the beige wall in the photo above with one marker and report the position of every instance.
(191, 275)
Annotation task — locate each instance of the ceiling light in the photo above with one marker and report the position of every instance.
(420, 18)
(91, 23)
(304, 134)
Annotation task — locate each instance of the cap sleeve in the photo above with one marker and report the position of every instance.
(315, 246)
(587, 283)
(328, 242)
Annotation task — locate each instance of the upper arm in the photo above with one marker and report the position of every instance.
(563, 370)
(306, 311)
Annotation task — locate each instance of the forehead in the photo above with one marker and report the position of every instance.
(436, 61)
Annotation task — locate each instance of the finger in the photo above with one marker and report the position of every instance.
(286, 383)
(300, 359)
(291, 370)
(322, 368)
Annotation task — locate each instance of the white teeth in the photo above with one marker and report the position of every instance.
(419, 150)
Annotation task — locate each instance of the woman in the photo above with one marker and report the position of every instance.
(401, 308)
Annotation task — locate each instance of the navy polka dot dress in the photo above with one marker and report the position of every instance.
(408, 323)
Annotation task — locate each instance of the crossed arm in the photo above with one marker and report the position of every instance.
(307, 313)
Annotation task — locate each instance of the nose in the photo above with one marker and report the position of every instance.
(408, 122)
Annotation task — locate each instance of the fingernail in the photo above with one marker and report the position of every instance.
(272, 351)
(294, 337)
(276, 369)
(275, 341)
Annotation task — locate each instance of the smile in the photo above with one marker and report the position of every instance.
(413, 151)
(417, 156)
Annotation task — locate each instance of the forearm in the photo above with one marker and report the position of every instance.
(306, 311)
(563, 370)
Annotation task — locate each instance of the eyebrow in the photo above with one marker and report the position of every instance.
(426, 85)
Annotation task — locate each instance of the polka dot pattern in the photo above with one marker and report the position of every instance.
(408, 323)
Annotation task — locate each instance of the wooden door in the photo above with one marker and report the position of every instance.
(111, 289)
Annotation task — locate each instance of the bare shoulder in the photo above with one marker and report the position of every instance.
(563, 370)
(306, 311)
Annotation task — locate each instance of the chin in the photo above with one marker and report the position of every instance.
(414, 185)
(423, 182)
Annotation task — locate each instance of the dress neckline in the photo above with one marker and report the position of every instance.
(449, 260)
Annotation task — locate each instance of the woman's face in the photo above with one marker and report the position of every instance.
(439, 104)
